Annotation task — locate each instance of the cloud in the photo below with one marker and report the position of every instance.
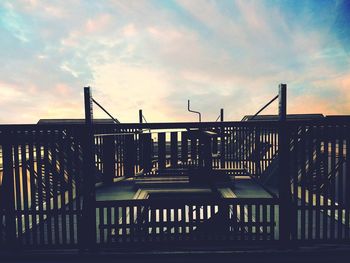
(155, 55)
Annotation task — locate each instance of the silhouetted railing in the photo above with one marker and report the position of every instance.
(186, 221)
(46, 178)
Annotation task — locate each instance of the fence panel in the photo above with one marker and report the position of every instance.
(180, 220)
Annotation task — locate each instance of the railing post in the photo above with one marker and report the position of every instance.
(130, 156)
(140, 116)
(284, 170)
(88, 230)
(108, 159)
(8, 198)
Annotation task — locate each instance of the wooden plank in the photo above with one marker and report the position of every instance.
(303, 181)
(146, 142)
(8, 181)
(130, 155)
(101, 222)
(242, 220)
(40, 185)
(347, 183)
(18, 190)
(108, 159)
(333, 182)
(326, 181)
(71, 185)
(222, 148)
(173, 149)
(161, 150)
(47, 170)
(318, 183)
(184, 147)
(55, 207)
(272, 222)
(194, 150)
(340, 182)
(310, 180)
(33, 190)
(264, 221)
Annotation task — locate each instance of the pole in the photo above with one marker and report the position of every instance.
(140, 116)
(88, 220)
(221, 114)
(284, 173)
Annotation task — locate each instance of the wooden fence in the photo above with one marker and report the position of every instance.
(49, 174)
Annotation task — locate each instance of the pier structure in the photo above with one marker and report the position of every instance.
(269, 180)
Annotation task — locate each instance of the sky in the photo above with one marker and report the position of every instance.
(154, 55)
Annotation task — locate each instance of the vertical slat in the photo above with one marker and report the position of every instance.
(340, 182)
(250, 222)
(303, 182)
(265, 222)
(53, 146)
(18, 192)
(318, 182)
(70, 174)
(25, 195)
(257, 221)
(272, 222)
(108, 158)
(32, 190)
(40, 185)
(146, 151)
(194, 150)
(242, 220)
(161, 150)
(109, 223)
(295, 170)
(347, 184)
(47, 176)
(325, 182)
(223, 139)
(173, 149)
(8, 189)
(130, 155)
(101, 222)
(62, 189)
(310, 183)
(184, 147)
(332, 181)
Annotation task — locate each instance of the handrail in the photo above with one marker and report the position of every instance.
(197, 112)
(263, 108)
(98, 104)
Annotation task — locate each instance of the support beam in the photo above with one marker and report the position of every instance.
(88, 106)
(140, 116)
(87, 229)
(284, 174)
(8, 190)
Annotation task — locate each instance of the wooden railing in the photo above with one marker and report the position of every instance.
(45, 205)
(186, 220)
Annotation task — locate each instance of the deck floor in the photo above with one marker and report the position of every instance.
(243, 188)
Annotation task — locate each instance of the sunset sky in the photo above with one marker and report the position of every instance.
(155, 55)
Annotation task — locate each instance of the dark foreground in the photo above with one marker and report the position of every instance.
(324, 253)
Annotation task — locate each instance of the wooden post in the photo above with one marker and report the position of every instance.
(130, 156)
(108, 159)
(221, 115)
(140, 116)
(284, 174)
(173, 149)
(8, 191)
(88, 229)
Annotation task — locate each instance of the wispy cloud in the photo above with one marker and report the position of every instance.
(156, 54)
